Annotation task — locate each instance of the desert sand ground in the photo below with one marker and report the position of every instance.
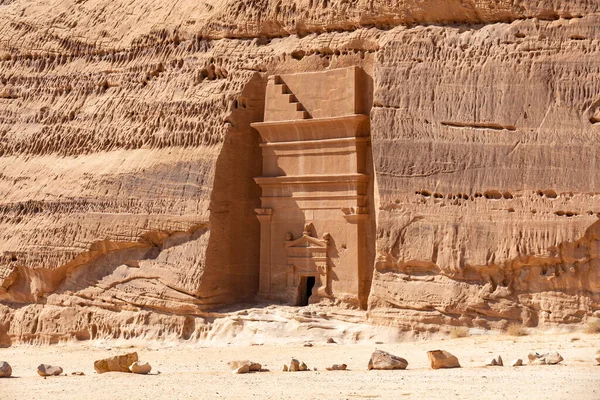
(183, 371)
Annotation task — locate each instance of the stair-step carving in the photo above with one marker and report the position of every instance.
(284, 91)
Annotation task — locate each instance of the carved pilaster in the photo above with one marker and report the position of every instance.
(264, 216)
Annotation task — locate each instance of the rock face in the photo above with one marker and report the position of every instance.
(116, 364)
(442, 359)
(5, 370)
(384, 360)
(49, 370)
(128, 205)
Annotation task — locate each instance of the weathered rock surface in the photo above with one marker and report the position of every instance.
(127, 159)
(442, 359)
(383, 360)
(49, 370)
(5, 370)
(469, 223)
(550, 358)
(119, 363)
(140, 367)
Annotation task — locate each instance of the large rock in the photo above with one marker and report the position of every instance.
(383, 360)
(140, 367)
(550, 358)
(49, 370)
(5, 370)
(244, 366)
(442, 359)
(295, 366)
(116, 364)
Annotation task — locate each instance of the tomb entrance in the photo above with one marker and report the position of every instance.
(317, 228)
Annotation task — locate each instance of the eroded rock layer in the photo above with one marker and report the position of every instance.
(127, 158)
(484, 142)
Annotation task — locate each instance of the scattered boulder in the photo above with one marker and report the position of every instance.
(330, 340)
(295, 365)
(337, 367)
(495, 362)
(140, 367)
(77, 373)
(116, 363)
(285, 368)
(550, 358)
(516, 363)
(48, 370)
(383, 360)
(244, 366)
(242, 369)
(442, 359)
(5, 370)
(308, 344)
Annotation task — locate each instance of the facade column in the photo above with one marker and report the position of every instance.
(264, 216)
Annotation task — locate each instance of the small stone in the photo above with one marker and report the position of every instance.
(77, 373)
(49, 370)
(383, 360)
(140, 367)
(244, 369)
(5, 370)
(442, 359)
(499, 361)
(294, 365)
(598, 357)
(330, 340)
(308, 344)
(303, 367)
(285, 368)
(491, 362)
(337, 367)
(516, 363)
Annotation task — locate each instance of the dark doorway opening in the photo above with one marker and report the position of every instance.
(306, 286)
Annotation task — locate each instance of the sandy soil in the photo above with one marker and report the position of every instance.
(202, 373)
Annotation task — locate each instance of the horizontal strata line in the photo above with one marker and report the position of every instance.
(478, 125)
(323, 197)
(316, 141)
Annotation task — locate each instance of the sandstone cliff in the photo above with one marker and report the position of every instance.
(127, 158)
